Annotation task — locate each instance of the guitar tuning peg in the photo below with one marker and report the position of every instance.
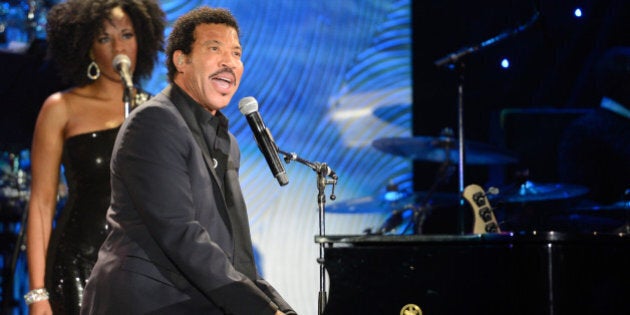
(492, 191)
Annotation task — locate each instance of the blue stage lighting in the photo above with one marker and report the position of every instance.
(505, 63)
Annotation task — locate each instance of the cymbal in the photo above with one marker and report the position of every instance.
(438, 149)
(532, 192)
(380, 204)
(593, 207)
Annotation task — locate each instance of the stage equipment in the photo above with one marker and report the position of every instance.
(14, 196)
(325, 176)
(454, 60)
(484, 220)
(249, 108)
(443, 148)
(544, 273)
(380, 204)
(533, 191)
(122, 64)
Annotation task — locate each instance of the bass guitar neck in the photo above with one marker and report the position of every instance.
(484, 219)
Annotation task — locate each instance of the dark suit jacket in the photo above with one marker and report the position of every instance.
(175, 247)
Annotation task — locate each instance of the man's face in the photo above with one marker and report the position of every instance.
(212, 72)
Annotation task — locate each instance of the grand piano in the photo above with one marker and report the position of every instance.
(546, 273)
(550, 263)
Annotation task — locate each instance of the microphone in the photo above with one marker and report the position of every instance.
(249, 107)
(122, 64)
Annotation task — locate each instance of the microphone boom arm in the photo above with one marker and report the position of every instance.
(455, 56)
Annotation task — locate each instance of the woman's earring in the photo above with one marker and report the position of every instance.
(93, 71)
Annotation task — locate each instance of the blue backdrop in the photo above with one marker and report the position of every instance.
(330, 77)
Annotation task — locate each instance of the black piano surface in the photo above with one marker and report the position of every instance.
(528, 273)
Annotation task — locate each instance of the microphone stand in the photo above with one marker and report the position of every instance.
(127, 99)
(453, 60)
(323, 174)
(455, 56)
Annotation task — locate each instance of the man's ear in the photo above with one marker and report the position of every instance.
(179, 59)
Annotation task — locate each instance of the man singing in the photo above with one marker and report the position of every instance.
(180, 240)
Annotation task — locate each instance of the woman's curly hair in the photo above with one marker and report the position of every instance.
(73, 25)
(182, 36)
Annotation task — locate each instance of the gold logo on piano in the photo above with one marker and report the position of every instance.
(411, 309)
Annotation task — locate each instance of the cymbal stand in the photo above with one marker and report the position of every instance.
(325, 176)
(444, 172)
(453, 60)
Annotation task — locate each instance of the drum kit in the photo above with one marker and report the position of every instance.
(14, 196)
(526, 205)
(14, 184)
(523, 206)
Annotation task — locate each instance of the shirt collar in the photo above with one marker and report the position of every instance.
(201, 114)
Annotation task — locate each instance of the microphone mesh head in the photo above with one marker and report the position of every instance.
(248, 105)
(121, 59)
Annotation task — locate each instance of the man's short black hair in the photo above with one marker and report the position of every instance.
(182, 35)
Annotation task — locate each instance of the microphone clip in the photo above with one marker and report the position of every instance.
(325, 174)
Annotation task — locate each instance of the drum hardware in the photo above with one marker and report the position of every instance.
(443, 148)
(529, 191)
(417, 206)
(15, 182)
(393, 221)
(528, 206)
(379, 204)
(447, 148)
(455, 61)
(413, 215)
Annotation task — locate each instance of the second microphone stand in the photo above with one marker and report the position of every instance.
(325, 176)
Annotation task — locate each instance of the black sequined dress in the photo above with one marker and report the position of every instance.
(81, 225)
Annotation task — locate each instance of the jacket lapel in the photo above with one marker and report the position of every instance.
(189, 117)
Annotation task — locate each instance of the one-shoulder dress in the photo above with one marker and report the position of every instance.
(81, 226)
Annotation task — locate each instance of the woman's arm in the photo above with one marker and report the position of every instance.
(45, 167)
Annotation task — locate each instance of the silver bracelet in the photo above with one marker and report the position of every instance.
(36, 295)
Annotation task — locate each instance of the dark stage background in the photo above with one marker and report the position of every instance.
(523, 107)
(333, 76)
